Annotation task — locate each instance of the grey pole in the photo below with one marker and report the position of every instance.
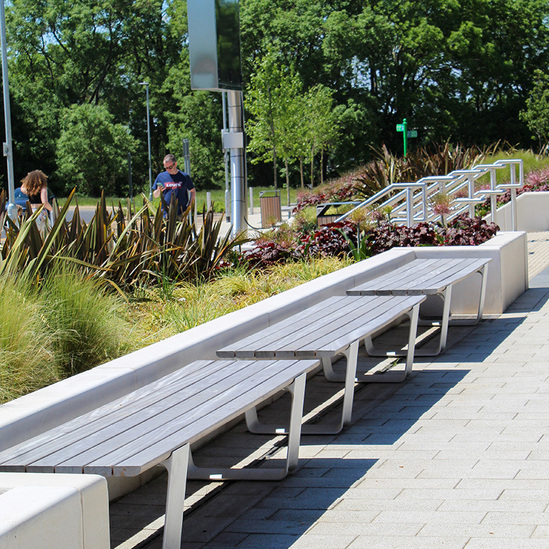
(146, 84)
(187, 156)
(8, 149)
(238, 172)
(226, 162)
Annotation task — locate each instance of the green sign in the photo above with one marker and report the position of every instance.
(400, 127)
(412, 133)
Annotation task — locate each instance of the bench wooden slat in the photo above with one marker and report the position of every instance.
(136, 457)
(214, 395)
(359, 328)
(421, 276)
(143, 424)
(298, 332)
(407, 270)
(291, 335)
(286, 326)
(102, 417)
(449, 272)
(429, 277)
(334, 335)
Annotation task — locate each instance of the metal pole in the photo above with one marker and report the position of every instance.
(471, 188)
(405, 135)
(493, 197)
(238, 172)
(146, 84)
(8, 148)
(187, 156)
(226, 162)
(512, 174)
(410, 207)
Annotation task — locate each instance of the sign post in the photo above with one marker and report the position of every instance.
(404, 129)
(406, 133)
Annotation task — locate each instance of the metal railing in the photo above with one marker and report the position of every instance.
(412, 203)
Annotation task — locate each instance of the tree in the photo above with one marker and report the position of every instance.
(270, 96)
(289, 121)
(92, 151)
(322, 124)
(65, 53)
(536, 114)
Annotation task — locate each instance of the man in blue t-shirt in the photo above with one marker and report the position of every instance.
(174, 183)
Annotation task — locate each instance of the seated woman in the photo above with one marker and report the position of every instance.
(35, 186)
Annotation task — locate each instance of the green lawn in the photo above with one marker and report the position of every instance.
(217, 198)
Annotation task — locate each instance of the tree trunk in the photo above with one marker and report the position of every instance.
(287, 180)
(312, 167)
(301, 172)
(322, 166)
(274, 168)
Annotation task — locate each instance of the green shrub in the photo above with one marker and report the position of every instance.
(26, 360)
(84, 321)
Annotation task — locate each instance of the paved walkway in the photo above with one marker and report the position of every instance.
(455, 457)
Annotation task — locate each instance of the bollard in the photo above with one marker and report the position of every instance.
(12, 211)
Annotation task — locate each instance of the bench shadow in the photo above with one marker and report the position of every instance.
(533, 300)
(276, 514)
(280, 513)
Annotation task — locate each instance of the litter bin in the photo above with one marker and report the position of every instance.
(271, 211)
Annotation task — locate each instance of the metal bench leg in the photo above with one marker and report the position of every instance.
(324, 428)
(297, 389)
(445, 321)
(177, 466)
(394, 377)
(446, 296)
(350, 378)
(484, 275)
(296, 415)
(414, 318)
(328, 369)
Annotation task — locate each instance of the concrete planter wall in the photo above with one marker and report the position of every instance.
(47, 510)
(507, 272)
(532, 213)
(48, 407)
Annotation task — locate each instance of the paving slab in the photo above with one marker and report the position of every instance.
(455, 457)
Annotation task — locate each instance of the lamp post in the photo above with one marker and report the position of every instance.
(146, 84)
(8, 149)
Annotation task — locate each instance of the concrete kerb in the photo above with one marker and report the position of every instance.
(532, 208)
(47, 510)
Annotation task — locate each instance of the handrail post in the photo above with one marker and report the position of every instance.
(409, 207)
(471, 184)
(512, 180)
(493, 197)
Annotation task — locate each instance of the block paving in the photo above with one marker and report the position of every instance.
(456, 457)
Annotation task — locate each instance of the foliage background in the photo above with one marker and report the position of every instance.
(458, 71)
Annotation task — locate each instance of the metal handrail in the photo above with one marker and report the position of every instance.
(411, 207)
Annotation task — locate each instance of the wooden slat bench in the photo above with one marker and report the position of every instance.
(428, 277)
(157, 424)
(331, 327)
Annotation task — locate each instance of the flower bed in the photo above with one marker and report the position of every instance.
(349, 239)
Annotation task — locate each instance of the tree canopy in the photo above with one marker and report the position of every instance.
(459, 71)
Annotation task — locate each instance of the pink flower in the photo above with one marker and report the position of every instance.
(441, 209)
